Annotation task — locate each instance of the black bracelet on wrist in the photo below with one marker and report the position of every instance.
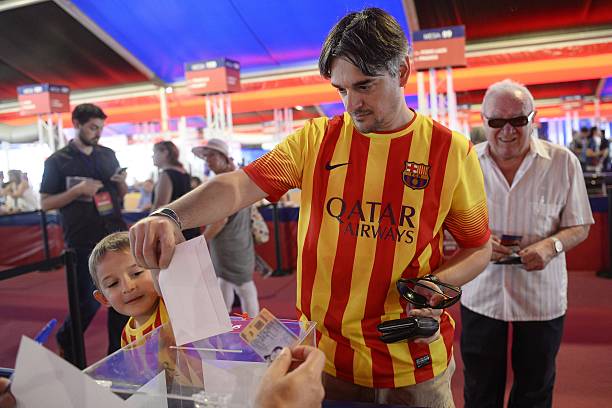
(168, 213)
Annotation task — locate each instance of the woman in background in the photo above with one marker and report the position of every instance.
(20, 195)
(173, 182)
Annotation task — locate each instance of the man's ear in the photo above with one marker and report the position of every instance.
(404, 72)
(99, 296)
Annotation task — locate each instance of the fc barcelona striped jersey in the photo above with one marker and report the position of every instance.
(373, 209)
(131, 333)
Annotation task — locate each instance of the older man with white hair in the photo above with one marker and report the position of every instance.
(538, 209)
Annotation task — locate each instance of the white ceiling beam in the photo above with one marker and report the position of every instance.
(13, 4)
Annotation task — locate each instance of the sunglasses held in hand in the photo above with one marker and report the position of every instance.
(420, 292)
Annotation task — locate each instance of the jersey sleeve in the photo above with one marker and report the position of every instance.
(468, 219)
(282, 169)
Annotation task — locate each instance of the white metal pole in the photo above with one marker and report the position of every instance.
(50, 132)
(208, 116)
(560, 131)
(163, 109)
(422, 96)
(433, 94)
(465, 124)
(182, 127)
(451, 98)
(230, 119)
(215, 112)
(575, 120)
(41, 134)
(442, 112)
(222, 122)
(6, 148)
(60, 131)
(568, 128)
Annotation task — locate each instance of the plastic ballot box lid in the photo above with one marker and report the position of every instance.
(219, 371)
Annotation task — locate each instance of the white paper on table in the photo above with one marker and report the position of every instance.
(240, 379)
(157, 388)
(192, 294)
(43, 379)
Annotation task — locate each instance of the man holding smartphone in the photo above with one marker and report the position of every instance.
(86, 183)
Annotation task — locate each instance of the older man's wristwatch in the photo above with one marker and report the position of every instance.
(168, 213)
(557, 245)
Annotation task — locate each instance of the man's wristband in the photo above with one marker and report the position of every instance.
(168, 213)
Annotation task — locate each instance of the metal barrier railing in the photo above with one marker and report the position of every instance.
(68, 260)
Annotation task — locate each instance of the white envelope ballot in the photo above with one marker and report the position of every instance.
(192, 294)
(238, 379)
(43, 379)
(156, 387)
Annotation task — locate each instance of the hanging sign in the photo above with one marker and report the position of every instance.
(43, 98)
(214, 76)
(439, 48)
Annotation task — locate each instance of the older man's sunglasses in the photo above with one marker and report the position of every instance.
(420, 291)
(519, 121)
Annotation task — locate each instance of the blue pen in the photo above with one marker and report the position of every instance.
(44, 333)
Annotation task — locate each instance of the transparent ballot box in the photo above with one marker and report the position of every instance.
(219, 371)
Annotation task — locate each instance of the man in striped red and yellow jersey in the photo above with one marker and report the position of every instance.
(380, 184)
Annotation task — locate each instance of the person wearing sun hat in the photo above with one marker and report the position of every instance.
(212, 146)
(230, 240)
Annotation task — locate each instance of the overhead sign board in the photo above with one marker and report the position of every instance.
(439, 48)
(38, 99)
(214, 76)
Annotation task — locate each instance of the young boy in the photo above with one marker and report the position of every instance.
(130, 290)
(125, 286)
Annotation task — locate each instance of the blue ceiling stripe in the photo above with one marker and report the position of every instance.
(261, 35)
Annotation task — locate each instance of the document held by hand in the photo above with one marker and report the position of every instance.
(43, 379)
(192, 295)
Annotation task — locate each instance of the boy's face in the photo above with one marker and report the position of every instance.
(125, 286)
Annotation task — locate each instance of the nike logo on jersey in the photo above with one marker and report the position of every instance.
(329, 166)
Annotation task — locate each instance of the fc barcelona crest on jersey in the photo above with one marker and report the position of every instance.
(416, 175)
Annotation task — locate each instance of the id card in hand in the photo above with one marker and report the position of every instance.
(513, 243)
(267, 335)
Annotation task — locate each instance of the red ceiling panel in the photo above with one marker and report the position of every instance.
(488, 19)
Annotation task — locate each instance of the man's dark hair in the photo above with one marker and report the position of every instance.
(371, 39)
(85, 111)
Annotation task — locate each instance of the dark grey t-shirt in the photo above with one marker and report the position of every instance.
(83, 226)
(232, 250)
